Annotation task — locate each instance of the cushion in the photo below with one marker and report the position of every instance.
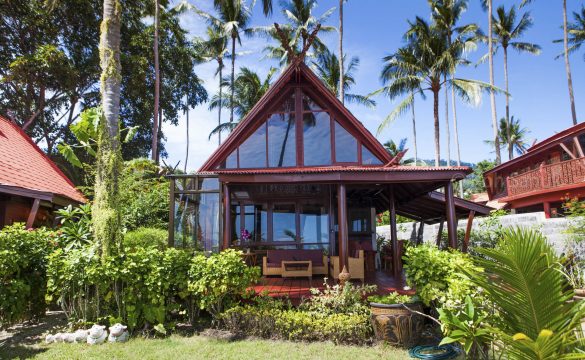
(276, 257)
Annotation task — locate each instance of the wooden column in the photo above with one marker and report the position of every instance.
(342, 223)
(33, 214)
(451, 216)
(419, 236)
(440, 232)
(546, 206)
(227, 224)
(468, 231)
(393, 233)
(171, 238)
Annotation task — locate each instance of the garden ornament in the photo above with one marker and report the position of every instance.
(118, 333)
(344, 276)
(97, 334)
(80, 336)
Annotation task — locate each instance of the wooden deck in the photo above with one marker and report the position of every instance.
(298, 288)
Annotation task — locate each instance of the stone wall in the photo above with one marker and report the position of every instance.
(553, 229)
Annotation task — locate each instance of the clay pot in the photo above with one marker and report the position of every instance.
(396, 325)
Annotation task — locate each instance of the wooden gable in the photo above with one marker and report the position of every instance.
(298, 123)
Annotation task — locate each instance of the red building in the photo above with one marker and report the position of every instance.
(31, 185)
(541, 179)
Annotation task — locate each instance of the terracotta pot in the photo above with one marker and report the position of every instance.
(397, 325)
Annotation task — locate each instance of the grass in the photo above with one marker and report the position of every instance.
(198, 347)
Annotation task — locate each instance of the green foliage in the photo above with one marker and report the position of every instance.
(298, 325)
(74, 226)
(392, 298)
(465, 327)
(221, 279)
(23, 272)
(336, 299)
(489, 234)
(436, 275)
(536, 318)
(144, 199)
(145, 237)
(476, 182)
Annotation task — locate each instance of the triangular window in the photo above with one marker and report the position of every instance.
(346, 146)
(368, 158)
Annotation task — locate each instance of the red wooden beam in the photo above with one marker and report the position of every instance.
(342, 223)
(227, 224)
(33, 214)
(393, 233)
(468, 231)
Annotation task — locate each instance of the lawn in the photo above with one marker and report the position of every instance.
(198, 347)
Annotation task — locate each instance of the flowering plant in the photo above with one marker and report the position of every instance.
(245, 235)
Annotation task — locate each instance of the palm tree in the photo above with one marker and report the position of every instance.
(300, 24)
(214, 48)
(248, 90)
(566, 55)
(394, 149)
(420, 67)
(341, 55)
(154, 155)
(577, 31)
(327, 68)
(506, 32)
(513, 136)
(488, 5)
(106, 217)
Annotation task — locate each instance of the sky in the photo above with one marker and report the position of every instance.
(374, 29)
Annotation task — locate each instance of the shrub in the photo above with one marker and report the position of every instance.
(145, 237)
(74, 226)
(298, 325)
(336, 299)
(23, 272)
(436, 274)
(392, 298)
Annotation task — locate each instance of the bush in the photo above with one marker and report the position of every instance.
(336, 299)
(436, 275)
(23, 272)
(145, 237)
(298, 325)
(74, 226)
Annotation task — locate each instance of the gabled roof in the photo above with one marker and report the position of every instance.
(23, 165)
(254, 118)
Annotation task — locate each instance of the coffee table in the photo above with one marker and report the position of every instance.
(297, 268)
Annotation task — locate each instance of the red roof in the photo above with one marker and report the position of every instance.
(330, 169)
(24, 165)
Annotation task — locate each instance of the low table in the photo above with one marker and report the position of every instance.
(297, 268)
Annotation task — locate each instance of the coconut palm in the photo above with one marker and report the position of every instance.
(248, 89)
(577, 31)
(394, 149)
(341, 55)
(506, 33)
(154, 155)
(327, 68)
(420, 67)
(512, 136)
(214, 48)
(566, 56)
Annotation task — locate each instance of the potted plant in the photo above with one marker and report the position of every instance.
(396, 319)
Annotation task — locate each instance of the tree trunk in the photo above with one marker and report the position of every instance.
(456, 129)
(567, 63)
(154, 156)
(187, 149)
(106, 217)
(447, 132)
(220, 64)
(508, 138)
(341, 69)
(414, 133)
(233, 79)
(492, 94)
(437, 130)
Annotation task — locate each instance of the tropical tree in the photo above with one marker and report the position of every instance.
(154, 155)
(106, 214)
(488, 5)
(566, 56)
(214, 48)
(341, 55)
(394, 149)
(577, 31)
(512, 136)
(248, 90)
(506, 34)
(327, 68)
(300, 23)
(420, 67)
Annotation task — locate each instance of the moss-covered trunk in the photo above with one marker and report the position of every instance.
(106, 215)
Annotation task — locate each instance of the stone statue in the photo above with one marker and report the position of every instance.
(97, 334)
(78, 336)
(118, 333)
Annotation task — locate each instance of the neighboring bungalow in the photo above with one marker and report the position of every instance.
(31, 185)
(540, 180)
(299, 178)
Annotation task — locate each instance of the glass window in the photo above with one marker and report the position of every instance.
(283, 222)
(368, 158)
(197, 221)
(231, 162)
(253, 150)
(289, 104)
(255, 222)
(359, 219)
(208, 184)
(281, 140)
(345, 145)
(309, 104)
(317, 138)
(314, 224)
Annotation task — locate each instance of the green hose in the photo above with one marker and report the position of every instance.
(443, 352)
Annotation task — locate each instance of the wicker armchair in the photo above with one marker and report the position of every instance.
(355, 266)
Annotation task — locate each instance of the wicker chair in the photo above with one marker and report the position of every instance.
(355, 266)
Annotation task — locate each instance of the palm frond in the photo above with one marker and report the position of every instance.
(397, 112)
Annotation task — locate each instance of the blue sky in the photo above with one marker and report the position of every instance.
(373, 29)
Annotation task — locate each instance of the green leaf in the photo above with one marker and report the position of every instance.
(67, 152)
